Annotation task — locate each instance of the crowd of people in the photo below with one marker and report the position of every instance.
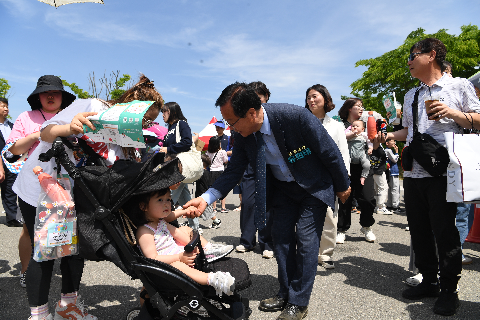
(300, 174)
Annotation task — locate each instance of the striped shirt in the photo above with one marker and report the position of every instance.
(456, 93)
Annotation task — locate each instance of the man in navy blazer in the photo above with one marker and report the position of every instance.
(305, 171)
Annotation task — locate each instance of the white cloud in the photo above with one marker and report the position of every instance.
(22, 8)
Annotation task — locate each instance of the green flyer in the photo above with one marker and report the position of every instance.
(120, 124)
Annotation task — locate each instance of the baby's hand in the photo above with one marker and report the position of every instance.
(362, 181)
(188, 258)
(190, 212)
(369, 151)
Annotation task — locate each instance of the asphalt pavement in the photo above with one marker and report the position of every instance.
(366, 283)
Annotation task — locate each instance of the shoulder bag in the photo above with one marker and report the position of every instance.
(192, 166)
(432, 156)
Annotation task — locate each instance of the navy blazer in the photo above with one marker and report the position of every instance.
(310, 153)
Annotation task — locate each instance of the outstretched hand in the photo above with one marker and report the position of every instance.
(199, 203)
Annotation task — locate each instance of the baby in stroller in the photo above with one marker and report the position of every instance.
(159, 240)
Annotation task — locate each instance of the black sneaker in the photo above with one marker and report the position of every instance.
(447, 304)
(215, 225)
(23, 284)
(423, 290)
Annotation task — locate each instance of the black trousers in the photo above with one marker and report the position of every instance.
(366, 205)
(432, 221)
(39, 274)
(9, 198)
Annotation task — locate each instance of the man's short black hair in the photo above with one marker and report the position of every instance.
(4, 100)
(429, 44)
(241, 97)
(260, 88)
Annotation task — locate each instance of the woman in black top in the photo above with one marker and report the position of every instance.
(173, 116)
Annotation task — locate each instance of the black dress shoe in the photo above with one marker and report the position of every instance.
(273, 304)
(14, 223)
(293, 312)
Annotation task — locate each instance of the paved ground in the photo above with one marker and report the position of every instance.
(366, 283)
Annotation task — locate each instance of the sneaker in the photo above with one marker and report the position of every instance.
(415, 280)
(398, 210)
(223, 282)
(369, 236)
(383, 210)
(422, 290)
(73, 311)
(242, 248)
(447, 303)
(215, 225)
(326, 264)
(224, 211)
(49, 317)
(267, 254)
(465, 261)
(23, 284)
(217, 251)
(340, 237)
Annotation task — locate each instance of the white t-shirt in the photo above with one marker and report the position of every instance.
(218, 164)
(456, 93)
(26, 185)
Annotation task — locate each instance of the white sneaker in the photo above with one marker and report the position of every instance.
(73, 311)
(415, 280)
(242, 248)
(327, 264)
(223, 282)
(369, 236)
(267, 254)
(384, 210)
(340, 237)
(217, 251)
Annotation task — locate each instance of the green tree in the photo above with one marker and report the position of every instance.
(4, 87)
(389, 72)
(107, 88)
(78, 91)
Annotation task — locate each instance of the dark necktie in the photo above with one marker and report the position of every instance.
(260, 183)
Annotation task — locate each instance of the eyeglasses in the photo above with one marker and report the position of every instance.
(233, 124)
(413, 55)
(361, 107)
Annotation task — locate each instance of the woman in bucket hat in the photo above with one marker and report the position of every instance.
(68, 122)
(25, 138)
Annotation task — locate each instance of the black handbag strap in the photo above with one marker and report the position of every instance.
(415, 111)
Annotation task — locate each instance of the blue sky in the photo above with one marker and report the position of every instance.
(193, 49)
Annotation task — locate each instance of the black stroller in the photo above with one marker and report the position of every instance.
(104, 234)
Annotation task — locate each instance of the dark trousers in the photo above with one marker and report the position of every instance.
(9, 198)
(39, 274)
(298, 219)
(366, 205)
(432, 220)
(247, 222)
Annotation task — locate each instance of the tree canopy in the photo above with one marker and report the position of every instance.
(389, 72)
(4, 87)
(107, 88)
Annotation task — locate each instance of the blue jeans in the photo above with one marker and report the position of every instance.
(462, 222)
(181, 196)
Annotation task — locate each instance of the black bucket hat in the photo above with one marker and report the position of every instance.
(48, 83)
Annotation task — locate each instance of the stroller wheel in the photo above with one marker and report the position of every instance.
(133, 314)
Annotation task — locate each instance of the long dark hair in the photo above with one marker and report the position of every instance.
(175, 112)
(214, 144)
(347, 105)
(329, 105)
